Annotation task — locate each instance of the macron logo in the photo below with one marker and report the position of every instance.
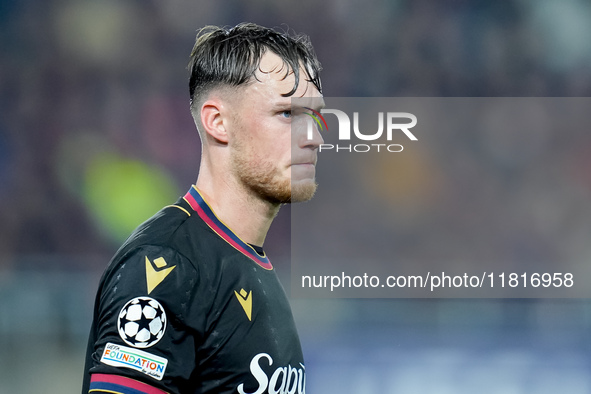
(245, 301)
(153, 277)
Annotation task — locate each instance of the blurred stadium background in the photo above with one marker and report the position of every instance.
(95, 135)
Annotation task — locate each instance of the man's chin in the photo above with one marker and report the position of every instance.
(302, 191)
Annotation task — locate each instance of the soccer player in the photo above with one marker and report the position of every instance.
(190, 303)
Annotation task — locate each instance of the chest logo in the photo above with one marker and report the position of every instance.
(245, 301)
(153, 277)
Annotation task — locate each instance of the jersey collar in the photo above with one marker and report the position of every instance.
(199, 205)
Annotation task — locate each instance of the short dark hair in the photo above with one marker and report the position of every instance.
(231, 56)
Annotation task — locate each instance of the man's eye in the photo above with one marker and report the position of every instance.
(286, 114)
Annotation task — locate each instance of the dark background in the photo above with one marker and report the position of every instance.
(95, 135)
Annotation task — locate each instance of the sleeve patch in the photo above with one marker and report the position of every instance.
(125, 357)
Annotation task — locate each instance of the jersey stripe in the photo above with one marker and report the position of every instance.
(199, 205)
(181, 208)
(115, 384)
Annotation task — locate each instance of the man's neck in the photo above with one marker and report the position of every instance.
(248, 216)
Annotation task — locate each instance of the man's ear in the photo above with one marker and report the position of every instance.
(212, 119)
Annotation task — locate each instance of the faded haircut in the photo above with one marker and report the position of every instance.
(231, 57)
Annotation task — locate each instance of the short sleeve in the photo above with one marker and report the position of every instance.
(142, 325)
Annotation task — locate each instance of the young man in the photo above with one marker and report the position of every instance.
(191, 303)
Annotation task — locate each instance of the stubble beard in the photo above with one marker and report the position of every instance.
(263, 178)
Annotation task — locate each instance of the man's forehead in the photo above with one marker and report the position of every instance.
(271, 63)
(273, 70)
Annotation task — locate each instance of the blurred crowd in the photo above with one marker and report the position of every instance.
(96, 134)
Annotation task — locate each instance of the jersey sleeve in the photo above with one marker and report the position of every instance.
(110, 384)
(146, 328)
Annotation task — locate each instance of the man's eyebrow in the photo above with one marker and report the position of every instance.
(282, 105)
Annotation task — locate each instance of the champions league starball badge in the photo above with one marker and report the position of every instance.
(142, 322)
